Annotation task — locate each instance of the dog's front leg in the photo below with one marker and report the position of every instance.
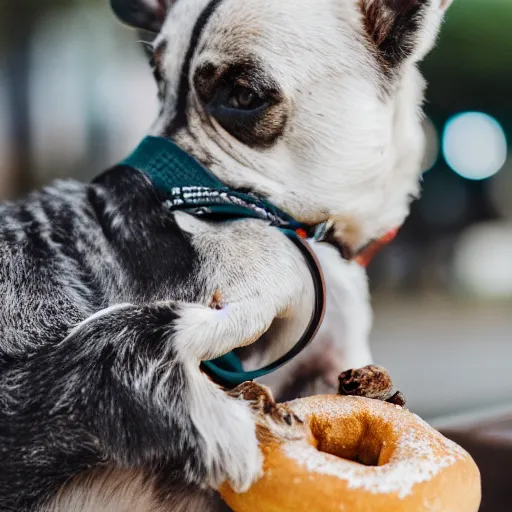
(124, 388)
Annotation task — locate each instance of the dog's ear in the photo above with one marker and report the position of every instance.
(400, 29)
(144, 14)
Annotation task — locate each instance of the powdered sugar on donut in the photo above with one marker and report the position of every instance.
(420, 454)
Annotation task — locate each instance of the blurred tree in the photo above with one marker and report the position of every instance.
(471, 67)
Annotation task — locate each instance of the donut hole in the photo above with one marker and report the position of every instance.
(364, 440)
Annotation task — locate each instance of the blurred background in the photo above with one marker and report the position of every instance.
(76, 95)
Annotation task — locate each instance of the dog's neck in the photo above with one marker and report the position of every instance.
(187, 185)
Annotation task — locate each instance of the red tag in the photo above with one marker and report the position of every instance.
(368, 254)
(302, 233)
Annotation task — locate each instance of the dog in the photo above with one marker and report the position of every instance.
(109, 301)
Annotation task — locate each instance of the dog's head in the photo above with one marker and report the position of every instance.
(314, 104)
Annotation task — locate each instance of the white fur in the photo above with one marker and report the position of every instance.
(108, 491)
(95, 316)
(280, 287)
(229, 432)
(120, 490)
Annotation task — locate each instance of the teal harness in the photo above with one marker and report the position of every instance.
(187, 186)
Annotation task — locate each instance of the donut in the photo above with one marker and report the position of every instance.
(357, 454)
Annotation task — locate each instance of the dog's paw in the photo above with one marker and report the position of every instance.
(261, 401)
(273, 420)
(232, 442)
(244, 461)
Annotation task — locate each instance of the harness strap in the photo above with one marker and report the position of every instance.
(189, 186)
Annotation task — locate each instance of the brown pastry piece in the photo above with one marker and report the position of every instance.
(370, 382)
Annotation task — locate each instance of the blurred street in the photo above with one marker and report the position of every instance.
(447, 356)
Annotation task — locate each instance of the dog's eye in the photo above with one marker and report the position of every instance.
(244, 98)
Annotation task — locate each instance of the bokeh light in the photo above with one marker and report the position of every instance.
(482, 260)
(432, 148)
(474, 145)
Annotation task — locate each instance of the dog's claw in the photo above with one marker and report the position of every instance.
(261, 401)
